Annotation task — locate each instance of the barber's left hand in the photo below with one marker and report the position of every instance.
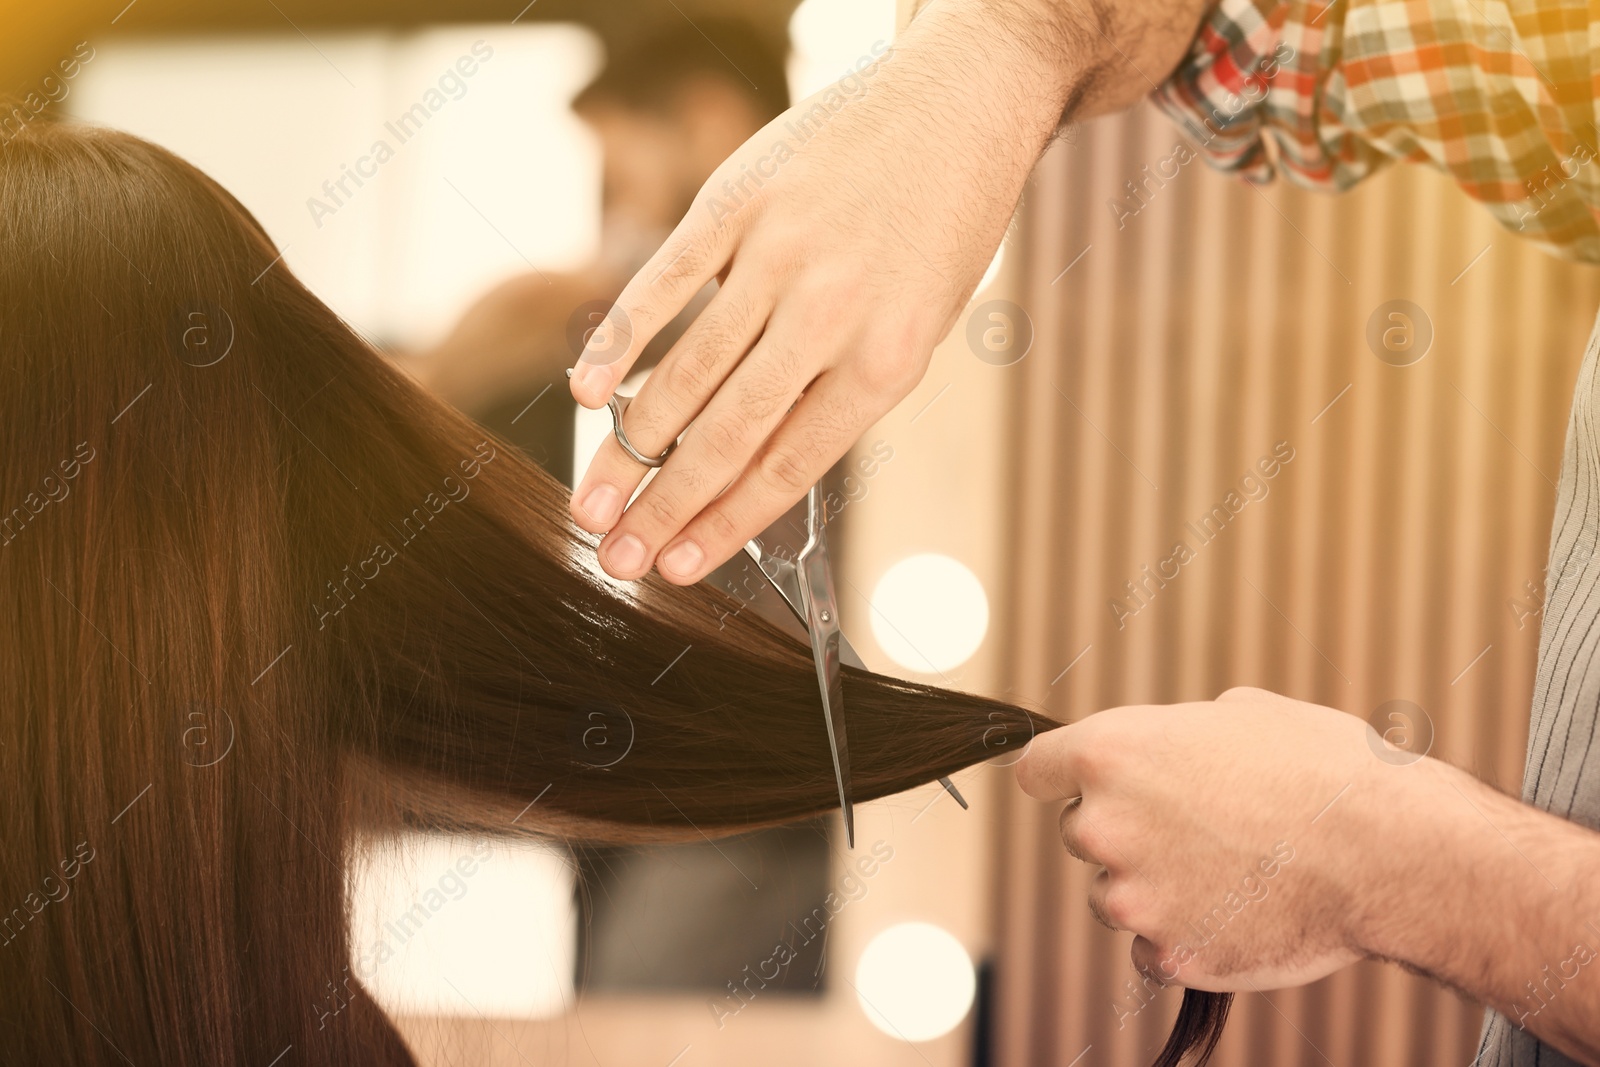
(1240, 839)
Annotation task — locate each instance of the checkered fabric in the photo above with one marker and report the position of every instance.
(1501, 95)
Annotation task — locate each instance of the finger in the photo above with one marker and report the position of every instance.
(1245, 694)
(710, 351)
(716, 448)
(692, 256)
(820, 429)
(1151, 962)
(1071, 827)
(1049, 769)
(695, 368)
(1085, 839)
(1108, 900)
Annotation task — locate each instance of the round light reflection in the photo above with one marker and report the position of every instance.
(915, 981)
(930, 613)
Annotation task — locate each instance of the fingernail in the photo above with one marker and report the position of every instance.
(586, 374)
(602, 504)
(625, 553)
(683, 558)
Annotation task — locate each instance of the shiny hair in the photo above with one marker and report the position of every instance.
(259, 591)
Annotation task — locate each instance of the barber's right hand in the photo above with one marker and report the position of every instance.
(847, 237)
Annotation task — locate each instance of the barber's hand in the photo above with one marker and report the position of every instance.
(846, 236)
(1242, 839)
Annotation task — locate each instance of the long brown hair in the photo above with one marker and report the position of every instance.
(259, 590)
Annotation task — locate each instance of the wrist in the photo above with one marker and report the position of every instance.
(1497, 899)
(1405, 849)
(1442, 843)
(1080, 58)
(1013, 66)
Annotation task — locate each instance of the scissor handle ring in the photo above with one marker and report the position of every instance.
(619, 404)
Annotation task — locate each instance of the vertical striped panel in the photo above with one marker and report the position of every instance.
(1383, 563)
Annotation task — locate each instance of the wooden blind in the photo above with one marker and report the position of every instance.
(1186, 325)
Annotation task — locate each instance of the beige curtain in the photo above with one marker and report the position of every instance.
(1198, 325)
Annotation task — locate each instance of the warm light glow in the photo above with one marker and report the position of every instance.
(929, 613)
(492, 175)
(831, 36)
(444, 925)
(915, 981)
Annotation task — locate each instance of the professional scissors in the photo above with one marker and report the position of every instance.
(805, 582)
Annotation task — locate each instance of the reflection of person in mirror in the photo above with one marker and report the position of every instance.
(667, 107)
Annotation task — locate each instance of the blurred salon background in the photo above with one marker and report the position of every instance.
(469, 187)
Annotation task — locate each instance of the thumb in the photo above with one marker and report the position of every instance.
(1247, 694)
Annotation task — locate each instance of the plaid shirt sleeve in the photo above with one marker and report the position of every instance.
(1500, 94)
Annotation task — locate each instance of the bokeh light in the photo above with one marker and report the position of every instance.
(915, 981)
(929, 613)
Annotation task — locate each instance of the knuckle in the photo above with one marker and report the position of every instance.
(1029, 777)
(717, 528)
(783, 468)
(1153, 959)
(781, 377)
(1097, 908)
(713, 342)
(648, 430)
(1072, 827)
(693, 483)
(724, 438)
(891, 370)
(692, 371)
(1119, 905)
(660, 510)
(1092, 761)
(684, 258)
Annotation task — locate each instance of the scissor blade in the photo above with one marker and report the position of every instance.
(781, 575)
(830, 677)
(851, 658)
(822, 621)
(786, 578)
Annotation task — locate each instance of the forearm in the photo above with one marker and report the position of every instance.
(984, 85)
(1493, 897)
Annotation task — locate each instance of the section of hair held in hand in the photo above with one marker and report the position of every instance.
(1194, 1037)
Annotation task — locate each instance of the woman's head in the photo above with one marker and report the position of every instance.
(260, 590)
